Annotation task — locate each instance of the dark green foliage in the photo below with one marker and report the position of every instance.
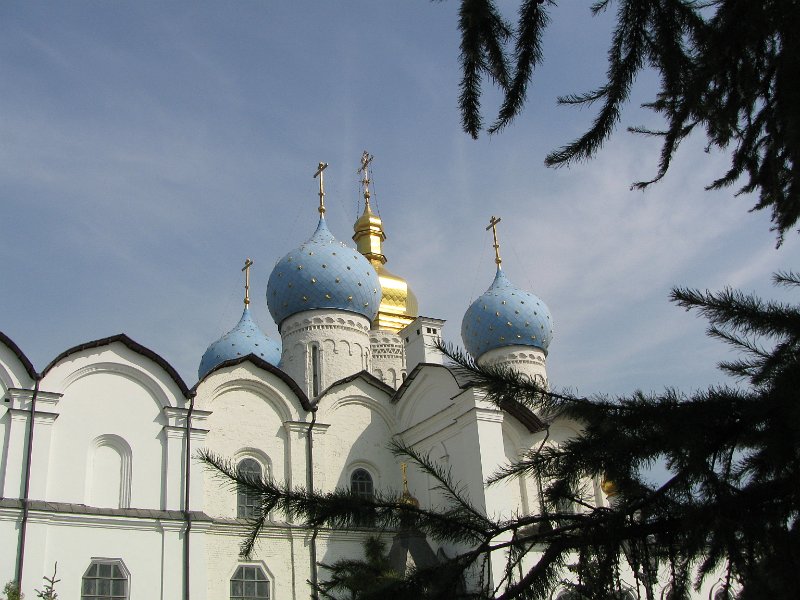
(730, 504)
(728, 67)
(372, 577)
(11, 591)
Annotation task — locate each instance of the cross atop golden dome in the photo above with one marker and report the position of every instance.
(398, 303)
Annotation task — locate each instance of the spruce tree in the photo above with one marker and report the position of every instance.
(727, 67)
(731, 502)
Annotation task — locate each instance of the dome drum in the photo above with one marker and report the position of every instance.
(527, 360)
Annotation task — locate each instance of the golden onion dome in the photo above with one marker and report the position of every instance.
(609, 487)
(399, 305)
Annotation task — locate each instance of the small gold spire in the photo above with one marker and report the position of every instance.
(246, 268)
(322, 166)
(406, 497)
(493, 226)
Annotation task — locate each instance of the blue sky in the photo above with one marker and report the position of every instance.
(147, 148)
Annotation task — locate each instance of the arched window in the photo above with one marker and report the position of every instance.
(249, 583)
(105, 579)
(361, 483)
(248, 502)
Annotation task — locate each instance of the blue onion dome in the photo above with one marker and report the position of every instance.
(506, 316)
(323, 273)
(246, 338)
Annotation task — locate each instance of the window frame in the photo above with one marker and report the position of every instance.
(117, 562)
(362, 493)
(248, 503)
(268, 578)
(367, 518)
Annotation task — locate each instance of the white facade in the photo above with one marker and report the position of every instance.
(108, 464)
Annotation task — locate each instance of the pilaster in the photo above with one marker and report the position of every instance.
(18, 402)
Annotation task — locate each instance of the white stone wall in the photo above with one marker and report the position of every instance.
(342, 340)
(151, 551)
(361, 423)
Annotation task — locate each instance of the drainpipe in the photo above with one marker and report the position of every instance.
(310, 487)
(187, 478)
(26, 487)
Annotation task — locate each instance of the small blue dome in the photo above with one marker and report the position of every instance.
(506, 316)
(246, 338)
(323, 273)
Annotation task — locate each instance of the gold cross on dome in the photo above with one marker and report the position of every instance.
(246, 268)
(403, 467)
(493, 226)
(366, 158)
(322, 166)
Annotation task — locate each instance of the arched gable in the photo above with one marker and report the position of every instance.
(121, 355)
(291, 388)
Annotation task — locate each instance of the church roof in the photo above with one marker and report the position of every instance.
(506, 315)
(323, 273)
(245, 338)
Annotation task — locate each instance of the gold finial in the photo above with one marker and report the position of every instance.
(366, 158)
(322, 166)
(493, 226)
(406, 497)
(246, 268)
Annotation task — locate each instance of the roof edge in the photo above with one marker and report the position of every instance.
(131, 345)
(366, 376)
(20, 355)
(266, 366)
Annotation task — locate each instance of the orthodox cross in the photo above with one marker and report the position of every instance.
(246, 268)
(365, 160)
(493, 226)
(322, 166)
(403, 467)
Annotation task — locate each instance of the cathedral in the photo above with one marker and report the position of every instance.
(98, 468)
